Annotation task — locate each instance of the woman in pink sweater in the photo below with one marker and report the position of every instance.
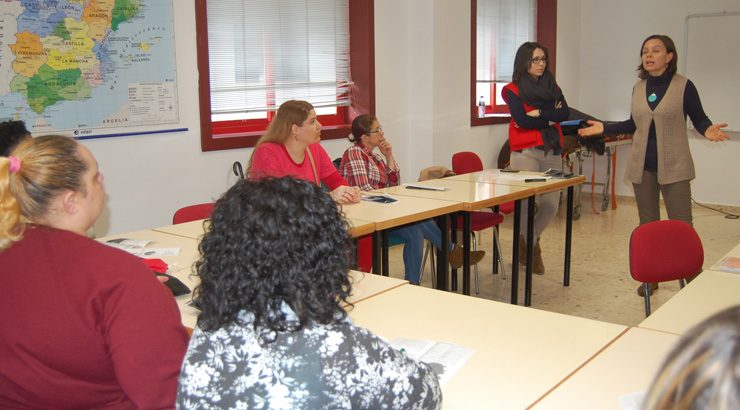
(290, 147)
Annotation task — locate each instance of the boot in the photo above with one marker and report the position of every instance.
(455, 257)
(538, 267)
(522, 250)
(651, 287)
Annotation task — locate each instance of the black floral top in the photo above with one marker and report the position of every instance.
(336, 366)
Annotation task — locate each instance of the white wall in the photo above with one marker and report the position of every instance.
(422, 96)
(611, 33)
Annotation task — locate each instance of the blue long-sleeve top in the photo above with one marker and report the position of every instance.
(691, 107)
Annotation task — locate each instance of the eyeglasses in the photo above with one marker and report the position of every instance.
(539, 60)
(379, 129)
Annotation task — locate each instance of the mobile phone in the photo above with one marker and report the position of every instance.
(383, 199)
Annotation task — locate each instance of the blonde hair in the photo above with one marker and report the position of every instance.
(291, 112)
(49, 165)
(703, 369)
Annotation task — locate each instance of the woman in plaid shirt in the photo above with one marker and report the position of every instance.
(363, 168)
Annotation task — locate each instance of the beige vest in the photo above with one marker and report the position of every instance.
(674, 158)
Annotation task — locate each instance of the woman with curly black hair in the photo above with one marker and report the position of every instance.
(272, 332)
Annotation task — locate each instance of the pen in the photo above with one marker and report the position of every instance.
(535, 180)
(419, 187)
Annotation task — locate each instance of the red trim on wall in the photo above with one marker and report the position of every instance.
(547, 12)
(362, 67)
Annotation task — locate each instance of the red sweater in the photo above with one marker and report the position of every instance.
(84, 326)
(272, 159)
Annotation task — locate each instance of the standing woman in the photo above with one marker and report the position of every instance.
(537, 105)
(290, 147)
(362, 168)
(84, 325)
(660, 160)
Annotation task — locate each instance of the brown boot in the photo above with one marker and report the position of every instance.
(522, 250)
(476, 256)
(651, 288)
(455, 257)
(538, 267)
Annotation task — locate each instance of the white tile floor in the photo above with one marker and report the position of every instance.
(601, 286)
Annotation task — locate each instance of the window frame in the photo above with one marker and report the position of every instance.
(362, 67)
(546, 28)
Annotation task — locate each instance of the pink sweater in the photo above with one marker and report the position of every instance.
(272, 159)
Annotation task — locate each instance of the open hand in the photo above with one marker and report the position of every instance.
(714, 132)
(594, 128)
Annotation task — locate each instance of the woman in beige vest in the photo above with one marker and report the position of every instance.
(660, 161)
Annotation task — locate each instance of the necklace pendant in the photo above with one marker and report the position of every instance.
(652, 97)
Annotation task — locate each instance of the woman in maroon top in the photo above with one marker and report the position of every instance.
(84, 325)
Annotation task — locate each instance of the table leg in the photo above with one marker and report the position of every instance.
(453, 239)
(384, 243)
(376, 252)
(530, 251)
(466, 253)
(515, 254)
(568, 235)
(442, 255)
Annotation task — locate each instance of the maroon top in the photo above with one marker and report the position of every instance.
(84, 325)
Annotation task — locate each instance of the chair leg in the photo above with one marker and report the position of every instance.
(497, 245)
(647, 299)
(475, 267)
(428, 251)
(496, 251)
(433, 264)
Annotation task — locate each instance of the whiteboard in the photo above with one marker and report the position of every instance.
(712, 62)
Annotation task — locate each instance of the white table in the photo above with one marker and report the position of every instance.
(709, 293)
(520, 353)
(626, 366)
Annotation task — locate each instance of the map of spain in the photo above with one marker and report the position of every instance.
(86, 65)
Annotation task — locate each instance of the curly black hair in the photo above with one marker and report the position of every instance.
(272, 241)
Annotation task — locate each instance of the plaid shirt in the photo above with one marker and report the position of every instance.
(366, 170)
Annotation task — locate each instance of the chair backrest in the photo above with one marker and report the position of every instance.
(666, 250)
(192, 213)
(466, 162)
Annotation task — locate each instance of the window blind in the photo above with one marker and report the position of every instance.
(502, 26)
(265, 52)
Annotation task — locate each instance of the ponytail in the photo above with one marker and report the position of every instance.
(39, 170)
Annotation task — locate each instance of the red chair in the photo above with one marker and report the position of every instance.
(463, 163)
(192, 213)
(662, 251)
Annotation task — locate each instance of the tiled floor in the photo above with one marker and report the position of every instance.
(601, 286)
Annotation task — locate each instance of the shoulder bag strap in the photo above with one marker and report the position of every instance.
(313, 166)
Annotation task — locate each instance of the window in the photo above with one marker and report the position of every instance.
(498, 28)
(255, 54)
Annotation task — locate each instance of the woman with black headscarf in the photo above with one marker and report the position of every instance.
(537, 105)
